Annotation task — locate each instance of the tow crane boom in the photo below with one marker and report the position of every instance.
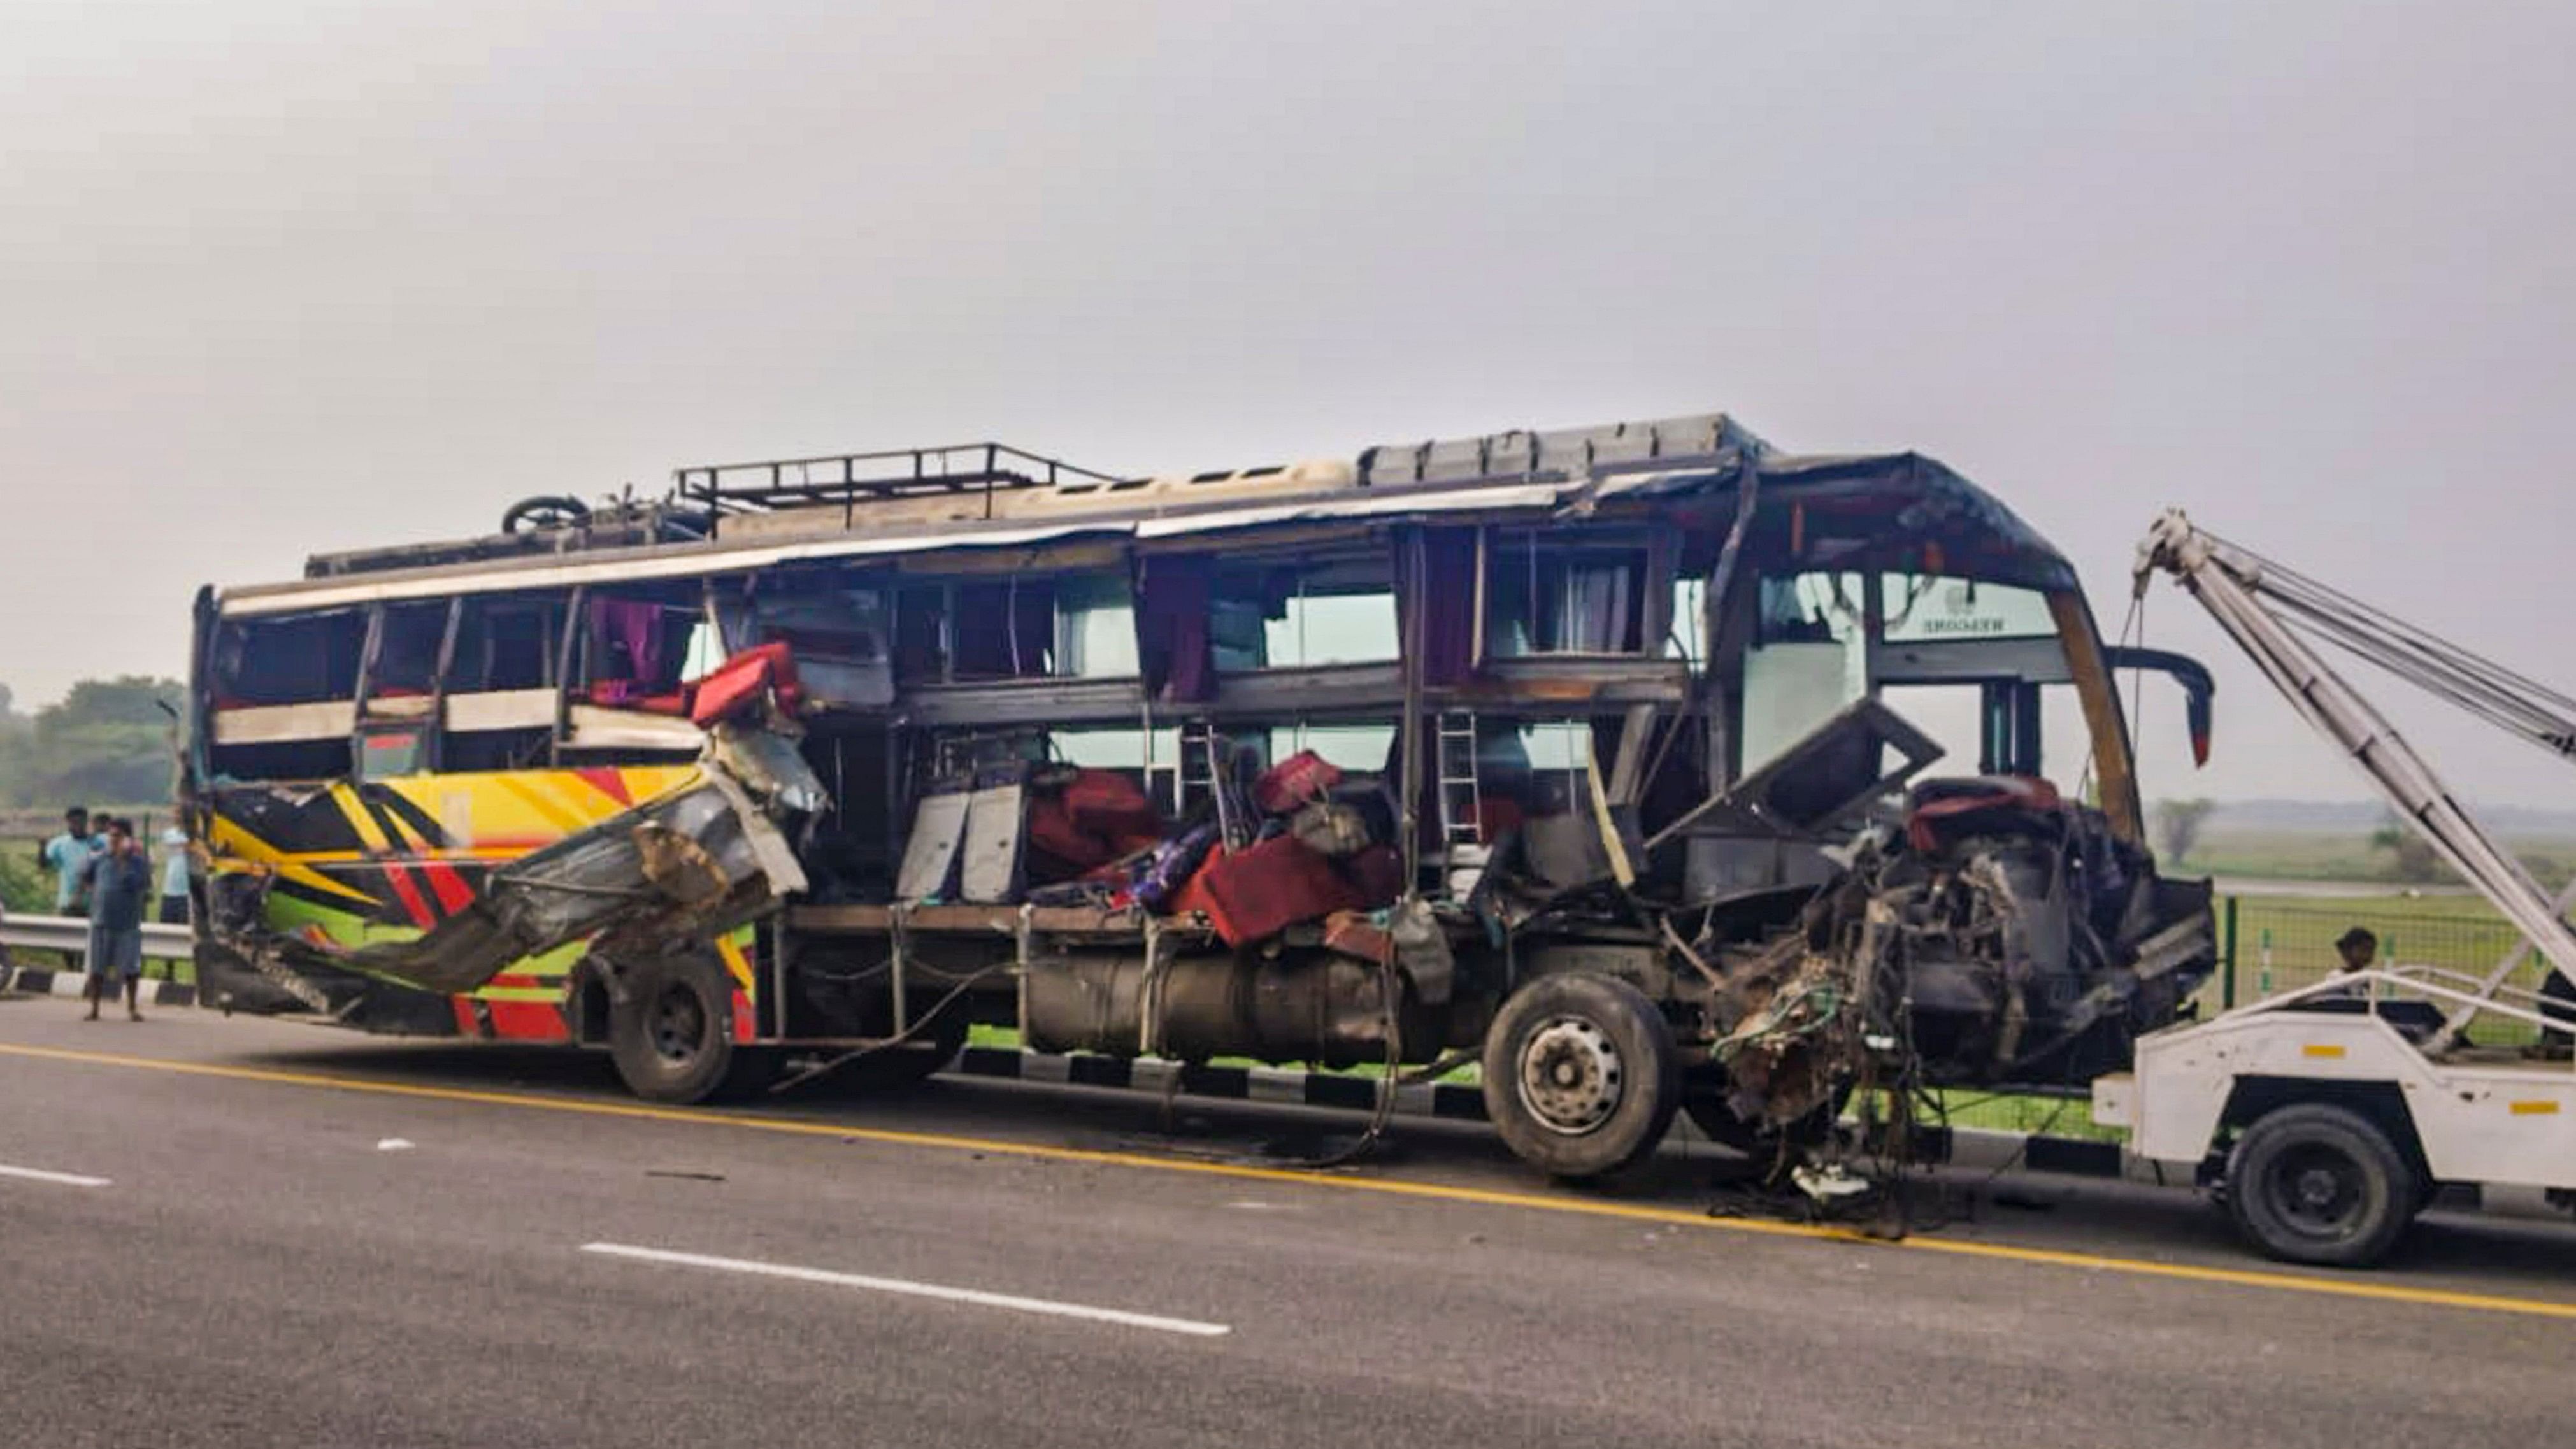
(2256, 600)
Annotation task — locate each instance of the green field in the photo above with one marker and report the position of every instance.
(2319, 855)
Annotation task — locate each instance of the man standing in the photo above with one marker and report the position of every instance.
(67, 855)
(174, 877)
(119, 879)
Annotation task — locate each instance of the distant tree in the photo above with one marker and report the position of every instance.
(2178, 826)
(107, 742)
(132, 699)
(2412, 858)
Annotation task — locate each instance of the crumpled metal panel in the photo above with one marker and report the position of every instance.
(690, 864)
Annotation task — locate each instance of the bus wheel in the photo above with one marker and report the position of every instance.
(1580, 1076)
(672, 1034)
(2313, 1183)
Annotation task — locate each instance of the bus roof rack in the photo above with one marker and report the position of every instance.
(851, 478)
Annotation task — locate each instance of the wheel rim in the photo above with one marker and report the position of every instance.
(678, 1024)
(2318, 1192)
(1571, 1078)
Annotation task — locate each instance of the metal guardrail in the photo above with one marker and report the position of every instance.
(70, 934)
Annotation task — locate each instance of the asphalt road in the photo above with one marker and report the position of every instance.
(547, 1263)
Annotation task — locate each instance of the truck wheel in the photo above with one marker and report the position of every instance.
(672, 1034)
(2314, 1183)
(932, 1048)
(1580, 1075)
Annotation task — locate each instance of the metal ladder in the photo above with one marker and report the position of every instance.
(1201, 768)
(1462, 800)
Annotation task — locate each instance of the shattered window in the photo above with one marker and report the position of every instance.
(407, 650)
(1810, 608)
(1018, 628)
(302, 659)
(1304, 616)
(1095, 627)
(505, 643)
(839, 628)
(1810, 658)
(1360, 748)
(1548, 597)
(1686, 636)
(1114, 749)
(636, 651)
(1928, 608)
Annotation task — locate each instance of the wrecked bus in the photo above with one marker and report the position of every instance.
(1600, 756)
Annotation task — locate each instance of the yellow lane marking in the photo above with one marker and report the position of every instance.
(1389, 1187)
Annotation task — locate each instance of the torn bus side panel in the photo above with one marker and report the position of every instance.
(692, 862)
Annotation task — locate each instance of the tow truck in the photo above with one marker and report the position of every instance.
(2328, 1117)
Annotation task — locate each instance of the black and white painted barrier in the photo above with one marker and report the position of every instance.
(39, 981)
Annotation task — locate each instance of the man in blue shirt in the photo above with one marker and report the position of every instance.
(119, 880)
(66, 855)
(174, 877)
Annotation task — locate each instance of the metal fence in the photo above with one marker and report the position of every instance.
(65, 939)
(2274, 944)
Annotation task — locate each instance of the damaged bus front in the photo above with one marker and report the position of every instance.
(1602, 755)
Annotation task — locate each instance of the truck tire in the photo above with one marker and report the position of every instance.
(671, 1034)
(2317, 1183)
(1581, 1078)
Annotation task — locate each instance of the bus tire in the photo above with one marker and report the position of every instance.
(671, 1032)
(2317, 1183)
(1580, 1076)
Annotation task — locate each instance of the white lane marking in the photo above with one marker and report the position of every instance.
(63, 1179)
(1017, 1304)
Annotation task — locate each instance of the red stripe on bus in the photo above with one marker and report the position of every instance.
(527, 1021)
(400, 880)
(453, 893)
(609, 783)
(464, 1016)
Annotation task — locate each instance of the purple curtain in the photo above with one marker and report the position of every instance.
(638, 627)
(1446, 597)
(1172, 602)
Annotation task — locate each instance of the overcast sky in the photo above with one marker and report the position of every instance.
(277, 278)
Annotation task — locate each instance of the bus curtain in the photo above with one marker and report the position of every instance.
(637, 628)
(1444, 598)
(1173, 596)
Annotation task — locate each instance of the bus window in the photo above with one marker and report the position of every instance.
(505, 643)
(1809, 659)
(297, 660)
(1081, 625)
(1095, 627)
(635, 652)
(1925, 608)
(1306, 616)
(837, 632)
(1545, 596)
(407, 646)
(1366, 749)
